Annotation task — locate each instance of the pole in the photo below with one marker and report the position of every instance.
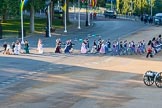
(151, 6)
(74, 11)
(79, 14)
(65, 17)
(49, 22)
(86, 13)
(111, 4)
(89, 12)
(47, 29)
(22, 27)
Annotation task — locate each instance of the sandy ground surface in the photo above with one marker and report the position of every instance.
(88, 81)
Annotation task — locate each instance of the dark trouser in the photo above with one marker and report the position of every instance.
(149, 53)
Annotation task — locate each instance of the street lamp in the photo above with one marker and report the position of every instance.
(22, 25)
(86, 13)
(111, 5)
(48, 28)
(65, 30)
(79, 14)
(74, 10)
(89, 3)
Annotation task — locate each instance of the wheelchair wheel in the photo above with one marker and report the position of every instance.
(158, 80)
(148, 80)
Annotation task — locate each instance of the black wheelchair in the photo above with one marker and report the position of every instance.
(150, 77)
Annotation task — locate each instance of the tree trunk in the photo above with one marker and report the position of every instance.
(52, 12)
(4, 18)
(67, 8)
(4, 15)
(32, 29)
(67, 12)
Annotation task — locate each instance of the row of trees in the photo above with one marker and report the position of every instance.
(138, 7)
(9, 8)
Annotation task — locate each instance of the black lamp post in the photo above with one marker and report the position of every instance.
(46, 28)
(86, 13)
(48, 18)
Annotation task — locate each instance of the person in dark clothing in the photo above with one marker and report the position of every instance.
(145, 19)
(87, 45)
(26, 48)
(150, 20)
(94, 47)
(58, 46)
(108, 44)
(159, 39)
(141, 17)
(13, 46)
(71, 46)
(99, 45)
(5, 47)
(153, 44)
(67, 47)
(95, 44)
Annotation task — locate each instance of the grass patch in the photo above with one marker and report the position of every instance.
(11, 27)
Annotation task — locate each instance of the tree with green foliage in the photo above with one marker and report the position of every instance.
(124, 6)
(33, 6)
(157, 6)
(9, 8)
(139, 6)
(101, 3)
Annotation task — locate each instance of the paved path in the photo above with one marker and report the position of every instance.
(77, 80)
(101, 29)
